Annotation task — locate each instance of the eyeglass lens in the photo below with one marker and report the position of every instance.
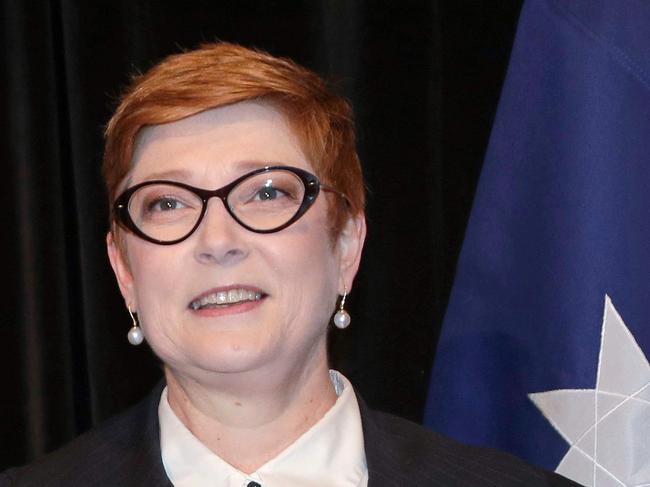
(263, 201)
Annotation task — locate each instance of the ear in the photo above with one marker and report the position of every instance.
(350, 244)
(121, 268)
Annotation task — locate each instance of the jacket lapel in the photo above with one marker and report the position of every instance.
(142, 462)
(383, 467)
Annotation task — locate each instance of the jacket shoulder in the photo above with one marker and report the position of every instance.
(124, 447)
(400, 452)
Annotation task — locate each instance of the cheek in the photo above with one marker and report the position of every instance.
(309, 280)
(155, 277)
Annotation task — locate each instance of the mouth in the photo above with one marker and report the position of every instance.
(225, 298)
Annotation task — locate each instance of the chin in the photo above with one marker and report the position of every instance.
(225, 355)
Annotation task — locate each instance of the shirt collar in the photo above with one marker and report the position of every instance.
(330, 453)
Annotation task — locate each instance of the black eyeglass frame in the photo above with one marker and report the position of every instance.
(312, 189)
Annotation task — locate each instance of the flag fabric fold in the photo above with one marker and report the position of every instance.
(561, 219)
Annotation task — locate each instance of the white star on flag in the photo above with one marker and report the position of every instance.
(608, 427)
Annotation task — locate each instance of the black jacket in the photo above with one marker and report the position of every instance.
(125, 451)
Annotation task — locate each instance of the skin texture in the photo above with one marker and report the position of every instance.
(248, 380)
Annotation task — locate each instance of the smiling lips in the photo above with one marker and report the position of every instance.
(224, 298)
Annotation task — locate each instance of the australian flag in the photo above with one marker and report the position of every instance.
(544, 344)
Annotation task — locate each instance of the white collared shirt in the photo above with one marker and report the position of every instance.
(329, 454)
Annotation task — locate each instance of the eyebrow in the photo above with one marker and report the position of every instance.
(183, 174)
(171, 174)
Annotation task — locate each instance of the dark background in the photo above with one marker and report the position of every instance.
(424, 78)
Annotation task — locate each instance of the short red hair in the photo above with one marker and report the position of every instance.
(219, 74)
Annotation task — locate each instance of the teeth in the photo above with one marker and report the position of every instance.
(226, 297)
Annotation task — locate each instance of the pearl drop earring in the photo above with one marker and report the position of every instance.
(342, 318)
(135, 335)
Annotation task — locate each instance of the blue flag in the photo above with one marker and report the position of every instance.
(544, 343)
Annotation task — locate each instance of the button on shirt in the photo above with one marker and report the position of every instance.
(329, 454)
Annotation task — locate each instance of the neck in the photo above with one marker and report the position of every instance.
(249, 418)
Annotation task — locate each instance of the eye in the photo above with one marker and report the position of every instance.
(164, 203)
(268, 193)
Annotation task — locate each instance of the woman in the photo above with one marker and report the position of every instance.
(238, 221)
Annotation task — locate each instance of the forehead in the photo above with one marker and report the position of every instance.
(219, 140)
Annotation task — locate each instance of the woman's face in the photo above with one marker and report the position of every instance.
(297, 271)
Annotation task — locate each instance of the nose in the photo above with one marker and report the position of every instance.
(219, 238)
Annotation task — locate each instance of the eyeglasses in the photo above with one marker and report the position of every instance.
(265, 200)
